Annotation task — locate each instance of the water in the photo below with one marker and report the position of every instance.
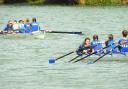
(24, 62)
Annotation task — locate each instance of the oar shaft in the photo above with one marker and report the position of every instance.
(101, 57)
(63, 32)
(73, 58)
(64, 55)
(84, 57)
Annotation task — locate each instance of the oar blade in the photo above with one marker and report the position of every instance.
(51, 60)
(90, 62)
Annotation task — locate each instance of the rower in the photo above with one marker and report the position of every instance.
(96, 44)
(21, 26)
(27, 26)
(34, 25)
(85, 47)
(123, 42)
(15, 26)
(112, 44)
(9, 27)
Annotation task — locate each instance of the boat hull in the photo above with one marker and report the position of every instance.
(35, 35)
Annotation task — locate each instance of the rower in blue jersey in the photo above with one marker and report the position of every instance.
(27, 26)
(97, 45)
(85, 48)
(123, 42)
(34, 25)
(111, 43)
(9, 27)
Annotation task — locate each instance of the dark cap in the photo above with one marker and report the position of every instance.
(110, 37)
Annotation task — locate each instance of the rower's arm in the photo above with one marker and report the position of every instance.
(79, 50)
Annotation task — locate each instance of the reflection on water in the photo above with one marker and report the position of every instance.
(24, 62)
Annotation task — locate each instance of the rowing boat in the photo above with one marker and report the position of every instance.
(35, 35)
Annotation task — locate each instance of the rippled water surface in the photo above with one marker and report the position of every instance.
(24, 61)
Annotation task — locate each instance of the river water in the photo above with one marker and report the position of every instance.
(24, 62)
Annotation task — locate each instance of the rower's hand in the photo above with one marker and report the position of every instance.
(84, 51)
(111, 50)
(125, 42)
(105, 51)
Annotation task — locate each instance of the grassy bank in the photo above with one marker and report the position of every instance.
(67, 2)
(1, 1)
(103, 2)
(35, 2)
(88, 2)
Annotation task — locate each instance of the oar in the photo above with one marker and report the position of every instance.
(84, 57)
(102, 56)
(52, 60)
(90, 54)
(62, 32)
(74, 58)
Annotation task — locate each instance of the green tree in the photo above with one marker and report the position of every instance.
(35, 1)
(14, 1)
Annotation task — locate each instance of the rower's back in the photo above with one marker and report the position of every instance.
(110, 44)
(27, 26)
(34, 25)
(123, 42)
(96, 44)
